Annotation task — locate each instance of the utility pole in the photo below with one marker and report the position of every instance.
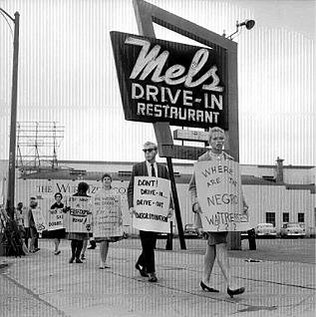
(11, 176)
(176, 204)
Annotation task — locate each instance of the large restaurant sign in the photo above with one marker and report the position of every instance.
(182, 84)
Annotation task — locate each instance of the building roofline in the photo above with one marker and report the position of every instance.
(179, 164)
(110, 162)
(175, 163)
(284, 166)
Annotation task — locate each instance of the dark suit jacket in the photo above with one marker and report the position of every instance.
(140, 169)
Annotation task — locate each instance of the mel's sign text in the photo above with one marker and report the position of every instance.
(166, 81)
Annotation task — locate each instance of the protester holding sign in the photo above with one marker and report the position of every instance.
(107, 218)
(33, 230)
(222, 221)
(56, 228)
(19, 219)
(26, 222)
(78, 209)
(146, 261)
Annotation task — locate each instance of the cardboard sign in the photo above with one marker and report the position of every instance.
(39, 220)
(107, 216)
(181, 84)
(78, 218)
(151, 204)
(220, 196)
(55, 219)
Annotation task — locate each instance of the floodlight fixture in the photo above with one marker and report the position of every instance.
(249, 24)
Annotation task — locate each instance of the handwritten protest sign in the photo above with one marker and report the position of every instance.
(78, 218)
(55, 219)
(151, 203)
(220, 196)
(39, 220)
(107, 216)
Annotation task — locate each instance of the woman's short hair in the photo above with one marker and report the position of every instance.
(58, 194)
(214, 130)
(83, 186)
(106, 175)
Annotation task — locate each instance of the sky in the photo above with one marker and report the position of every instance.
(67, 75)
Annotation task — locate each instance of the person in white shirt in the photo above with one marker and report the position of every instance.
(146, 261)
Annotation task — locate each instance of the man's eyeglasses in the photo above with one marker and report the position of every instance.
(148, 150)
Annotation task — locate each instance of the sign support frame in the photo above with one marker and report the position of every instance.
(147, 14)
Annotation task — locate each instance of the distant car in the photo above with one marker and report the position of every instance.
(265, 230)
(292, 229)
(161, 235)
(243, 235)
(302, 225)
(190, 230)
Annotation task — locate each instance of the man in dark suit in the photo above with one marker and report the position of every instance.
(146, 261)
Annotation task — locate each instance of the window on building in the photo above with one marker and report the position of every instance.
(286, 217)
(270, 217)
(301, 217)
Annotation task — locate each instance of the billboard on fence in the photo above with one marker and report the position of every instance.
(181, 84)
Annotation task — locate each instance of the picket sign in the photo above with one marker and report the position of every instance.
(151, 204)
(107, 216)
(219, 194)
(79, 217)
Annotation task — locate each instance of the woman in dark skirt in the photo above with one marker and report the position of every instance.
(58, 233)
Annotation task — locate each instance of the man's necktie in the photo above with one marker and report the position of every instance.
(153, 172)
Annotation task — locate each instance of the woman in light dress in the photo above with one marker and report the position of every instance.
(105, 241)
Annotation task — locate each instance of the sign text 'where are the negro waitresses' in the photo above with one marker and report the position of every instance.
(219, 194)
(182, 84)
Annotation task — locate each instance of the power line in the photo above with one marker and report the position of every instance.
(6, 19)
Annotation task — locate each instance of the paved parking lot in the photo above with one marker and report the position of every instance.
(41, 284)
(290, 250)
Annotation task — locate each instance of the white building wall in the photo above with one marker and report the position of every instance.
(261, 199)
(278, 199)
(44, 190)
(254, 170)
(299, 175)
(292, 175)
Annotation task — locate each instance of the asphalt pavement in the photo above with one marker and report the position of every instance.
(43, 284)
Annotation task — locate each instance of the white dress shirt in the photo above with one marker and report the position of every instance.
(149, 168)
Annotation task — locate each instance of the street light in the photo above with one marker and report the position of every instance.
(249, 24)
(11, 176)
